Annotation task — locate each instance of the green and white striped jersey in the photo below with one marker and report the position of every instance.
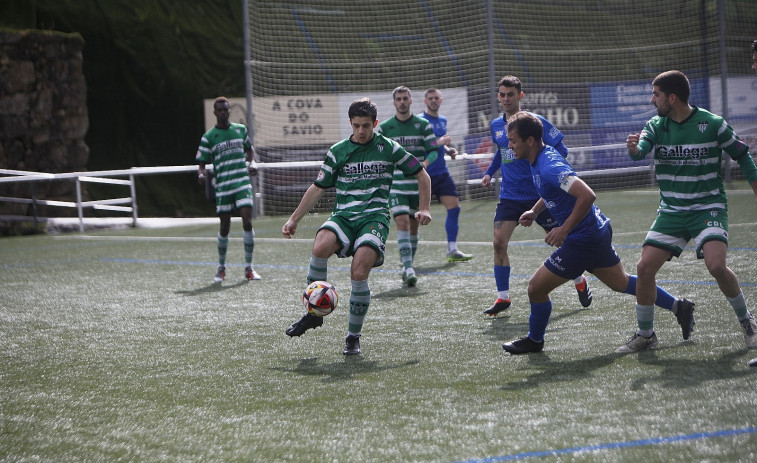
(688, 158)
(225, 148)
(416, 135)
(362, 175)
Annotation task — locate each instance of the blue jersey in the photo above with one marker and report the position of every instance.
(516, 174)
(439, 126)
(548, 172)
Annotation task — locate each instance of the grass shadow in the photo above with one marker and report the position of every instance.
(501, 329)
(559, 371)
(339, 371)
(399, 293)
(684, 374)
(211, 288)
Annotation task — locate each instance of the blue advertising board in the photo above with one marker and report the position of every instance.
(620, 108)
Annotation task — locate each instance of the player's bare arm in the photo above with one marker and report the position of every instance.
(311, 197)
(249, 157)
(423, 216)
(585, 197)
(527, 218)
(201, 173)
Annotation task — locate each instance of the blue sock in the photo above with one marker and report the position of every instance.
(451, 225)
(502, 277)
(664, 298)
(538, 320)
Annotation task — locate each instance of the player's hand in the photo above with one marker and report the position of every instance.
(632, 143)
(201, 179)
(555, 237)
(444, 140)
(452, 152)
(486, 181)
(423, 217)
(527, 218)
(252, 168)
(289, 228)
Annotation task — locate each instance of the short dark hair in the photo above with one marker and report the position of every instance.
(363, 107)
(754, 45)
(674, 83)
(510, 81)
(525, 125)
(401, 89)
(431, 90)
(221, 99)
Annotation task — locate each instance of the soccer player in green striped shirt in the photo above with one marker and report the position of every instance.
(687, 144)
(228, 148)
(360, 168)
(416, 135)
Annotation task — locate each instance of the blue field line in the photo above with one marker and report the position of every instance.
(379, 270)
(615, 445)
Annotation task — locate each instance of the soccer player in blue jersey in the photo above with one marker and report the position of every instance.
(442, 184)
(581, 233)
(517, 193)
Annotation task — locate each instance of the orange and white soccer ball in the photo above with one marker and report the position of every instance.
(320, 298)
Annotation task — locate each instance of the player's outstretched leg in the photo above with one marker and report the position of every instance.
(584, 292)
(500, 305)
(684, 312)
(502, 279)
(307, 322)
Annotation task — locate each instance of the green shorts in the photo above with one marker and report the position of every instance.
(371, 230)
(228, 201)
(403, 204)
(672, 230)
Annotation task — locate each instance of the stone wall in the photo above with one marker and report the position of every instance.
(43, 113)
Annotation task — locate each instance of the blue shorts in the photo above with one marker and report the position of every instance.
(443, 185)
(511, 210)
(578, 255)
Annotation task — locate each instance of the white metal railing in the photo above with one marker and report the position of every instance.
(124, 204)
(128, 204)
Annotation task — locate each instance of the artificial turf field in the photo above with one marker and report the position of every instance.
(115, 345)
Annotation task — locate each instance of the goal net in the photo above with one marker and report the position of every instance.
(585, 65)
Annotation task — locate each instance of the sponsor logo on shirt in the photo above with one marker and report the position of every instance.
(678, 151)
(358, 168)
